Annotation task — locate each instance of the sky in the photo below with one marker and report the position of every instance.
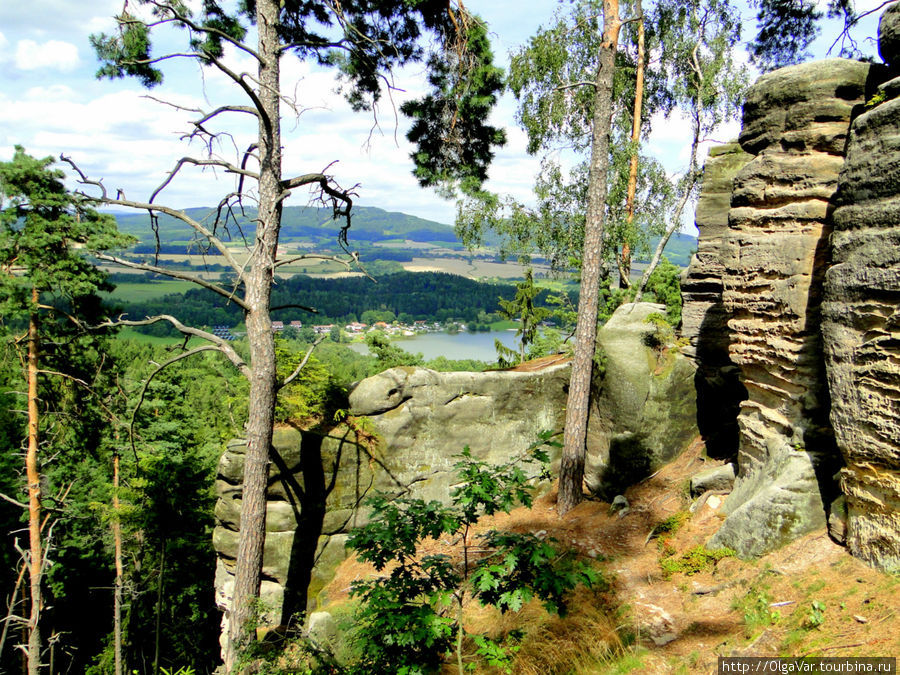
(51, 103)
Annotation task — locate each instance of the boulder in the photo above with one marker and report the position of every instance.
(889, 35)
(644, 410)
(410, 424)
(718, 479)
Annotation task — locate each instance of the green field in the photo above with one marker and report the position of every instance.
(129, 292)
(131, 334)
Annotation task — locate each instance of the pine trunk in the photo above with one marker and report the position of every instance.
(258, 284)
(625, 260)
(571, 473)
(117, 542)
(33, 477)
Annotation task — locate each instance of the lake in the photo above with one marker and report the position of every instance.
(479, 346)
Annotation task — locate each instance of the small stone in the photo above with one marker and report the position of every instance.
(860, 619)
(619, 503)
(322, 629)
(717, 478)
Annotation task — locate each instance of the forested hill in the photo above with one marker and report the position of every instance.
(308, 225)
(299, 224)
(420, 295)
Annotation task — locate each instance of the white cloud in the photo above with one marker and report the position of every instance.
(55, 54)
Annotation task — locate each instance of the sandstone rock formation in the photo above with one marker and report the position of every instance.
(704, 321)
(862, 324)
(889, 35)
(417, 420)
(644, 410)
(796, 123)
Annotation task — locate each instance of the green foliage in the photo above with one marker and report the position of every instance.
(404, 623)
(757, 611)
(41, 224)
(464, 81)
(529, 316)
(816, 616)
(664, 286)
(698, 559)
(496, 654)
(670, 525)
(387, 354)
(786, 28)
(310, 393)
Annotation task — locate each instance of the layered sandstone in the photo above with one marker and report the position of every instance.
(704, 321)
(796, 124)
(861, 326)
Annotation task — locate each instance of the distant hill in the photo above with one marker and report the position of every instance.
(300, 224)
(305, 224)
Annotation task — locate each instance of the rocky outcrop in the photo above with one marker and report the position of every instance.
(796, 123)
(889, 35)
(704, 320)
(862, 324)
(644, 410)
(408, 426)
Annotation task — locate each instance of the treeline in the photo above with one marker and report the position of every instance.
(428, 296)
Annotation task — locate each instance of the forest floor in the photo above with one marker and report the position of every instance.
(810, 598)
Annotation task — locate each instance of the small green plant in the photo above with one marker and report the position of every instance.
(410, 617)
(757, 611)
(669, 526)
(878, 98)
(663, 332)
(698, 559)
(184, 670)
(496, 654)
(816, 616)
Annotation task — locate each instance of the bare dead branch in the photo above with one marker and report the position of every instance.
(175, 274)
(312, 256)
(217, 243)
(311, 310)
(575, 85)
(290, 378)
(221, 345)
(9, 499)
(227, 166)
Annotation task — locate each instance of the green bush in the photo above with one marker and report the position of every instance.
(410, 618)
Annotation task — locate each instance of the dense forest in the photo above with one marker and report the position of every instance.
(408, 296)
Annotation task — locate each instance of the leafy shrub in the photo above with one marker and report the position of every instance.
(411, 617)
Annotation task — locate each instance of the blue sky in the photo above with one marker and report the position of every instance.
(50, 102)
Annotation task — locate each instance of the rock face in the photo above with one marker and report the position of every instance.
(796, 123)
(889, 35)
(862, 325)
(704, 321)
(644, 405)
(419, 419)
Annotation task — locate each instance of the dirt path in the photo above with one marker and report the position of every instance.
(809, 598)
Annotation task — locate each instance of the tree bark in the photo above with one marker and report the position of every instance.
(33, 476)
(572, 467)
(117, 542)
(248, 564)
(625, 260)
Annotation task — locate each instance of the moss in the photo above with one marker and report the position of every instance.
(698, 559)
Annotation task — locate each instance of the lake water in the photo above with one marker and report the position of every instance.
(479, 346)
